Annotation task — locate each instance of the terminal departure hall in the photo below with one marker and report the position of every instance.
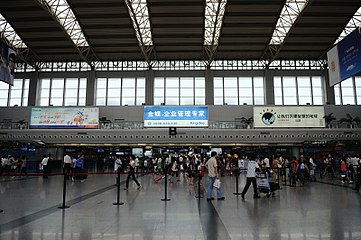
(180, 119)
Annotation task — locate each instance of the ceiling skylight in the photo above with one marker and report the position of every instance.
(290, 12)
(10, 35)
(214, 13)
(65, 16)
(354, 22)
(139, 14)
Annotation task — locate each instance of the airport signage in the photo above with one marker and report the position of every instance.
(175, 116)
(298, 116)
(344, 59)
(54, 117)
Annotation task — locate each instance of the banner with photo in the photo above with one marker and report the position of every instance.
(7, 64)
(344, 59)
(333, 66)
(175, 116)
(54, 117)
(349, 52)
(297, 116)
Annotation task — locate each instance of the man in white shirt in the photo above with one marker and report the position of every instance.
(67, 165)
(251, 178)
(131, 175)
(44, 163)
(117, 168)
(266, 161)
(211, 165)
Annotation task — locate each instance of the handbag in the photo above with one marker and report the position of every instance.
(217, 183)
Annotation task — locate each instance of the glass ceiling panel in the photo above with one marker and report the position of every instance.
(139, 14)
(354, 22)
(62, 11)
(9, 33)
(213, 23)
(290, 12)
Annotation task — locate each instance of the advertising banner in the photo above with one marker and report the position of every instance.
(276, 116)
(175, 116)
(64, 117)
(7, 64)
(333, 66)
(349, 52)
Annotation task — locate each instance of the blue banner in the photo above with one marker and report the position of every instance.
(175, 116)
(349, 52)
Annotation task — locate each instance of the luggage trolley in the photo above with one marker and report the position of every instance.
(265, 185)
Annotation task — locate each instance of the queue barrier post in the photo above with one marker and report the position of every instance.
(199, 185)
(278, 176)
(63, 206)
(165, 186)
(285, 176)
(118, 190)
(237, 176)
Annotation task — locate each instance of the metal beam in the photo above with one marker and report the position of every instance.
(10, 38)
(210, 47)
(273, 49)
(141, 24)
(67, 24)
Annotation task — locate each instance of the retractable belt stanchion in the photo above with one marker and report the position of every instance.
(278, 177)
(199, 185)
(64, 190)
(237, 175)
(165, 186)
(285, 176)
(118, 190)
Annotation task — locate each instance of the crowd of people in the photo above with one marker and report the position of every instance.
(296, 171)
(11, 164)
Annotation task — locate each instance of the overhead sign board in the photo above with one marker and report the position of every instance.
(54, 117)
(344, 59)
(349, 52)
(175, 116)
(276, 116)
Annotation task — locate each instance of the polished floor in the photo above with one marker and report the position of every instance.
(316, 211)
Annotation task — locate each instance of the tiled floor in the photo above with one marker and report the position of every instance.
(316, 211)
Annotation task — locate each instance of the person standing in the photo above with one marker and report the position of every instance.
(79, 168)
(251, 178)
(67, 166)
(212, 166)
(131, 174)
(44, 164)
(358, 183)
(137, 164)
(302, 170)
(22, 165)
(117, 168)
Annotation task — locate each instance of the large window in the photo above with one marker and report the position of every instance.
(304, 90)
(120, 91)
(62, 92)
(179, 90)
(16, 95)
(348, 91)
(238, 91)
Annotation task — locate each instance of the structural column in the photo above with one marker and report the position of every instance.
(209, 75)
(149, 87)
(330, 94)
(33, 85)
(269, 87)
(90, 88)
